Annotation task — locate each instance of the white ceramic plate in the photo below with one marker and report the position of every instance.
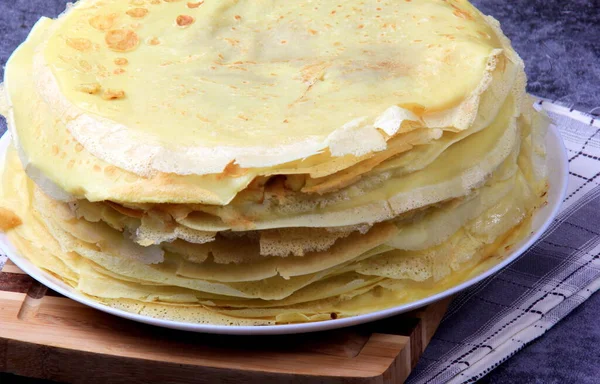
(558, 168)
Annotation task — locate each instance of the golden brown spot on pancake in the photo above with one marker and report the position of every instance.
(483, 34)
(311, 73)
(171, 1)
(79, 44)
(97, 168)
(184, 20)
(121, 40)
(237, 17)
(113, 94)
(119, 71)
(361, 26)
(55, 149)
(89, 88)
(462, 13)
(390, 68)
(121, 61)
(85, 65)
(137, 2)
(155, 2)
(195, 5)
(202, 118)
(70, 164)
(8, 219)
(78, 147)
(102, 71)
(154, 41)
(137, 12)
(233, 42)
(103, 22)
(312, 32)
(110, 170)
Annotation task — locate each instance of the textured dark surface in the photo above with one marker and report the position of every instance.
(560, 43)
(568, 353)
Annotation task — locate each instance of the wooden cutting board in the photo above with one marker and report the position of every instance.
(48, 336)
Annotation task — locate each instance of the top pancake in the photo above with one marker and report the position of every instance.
(260, 83)
(96, 130)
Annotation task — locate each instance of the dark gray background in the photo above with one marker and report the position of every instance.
(560, 43)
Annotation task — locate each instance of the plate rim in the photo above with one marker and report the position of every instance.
(553, 138)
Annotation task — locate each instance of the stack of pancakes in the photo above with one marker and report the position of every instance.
(264, 162)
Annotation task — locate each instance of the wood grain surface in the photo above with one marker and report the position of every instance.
(47, 336)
